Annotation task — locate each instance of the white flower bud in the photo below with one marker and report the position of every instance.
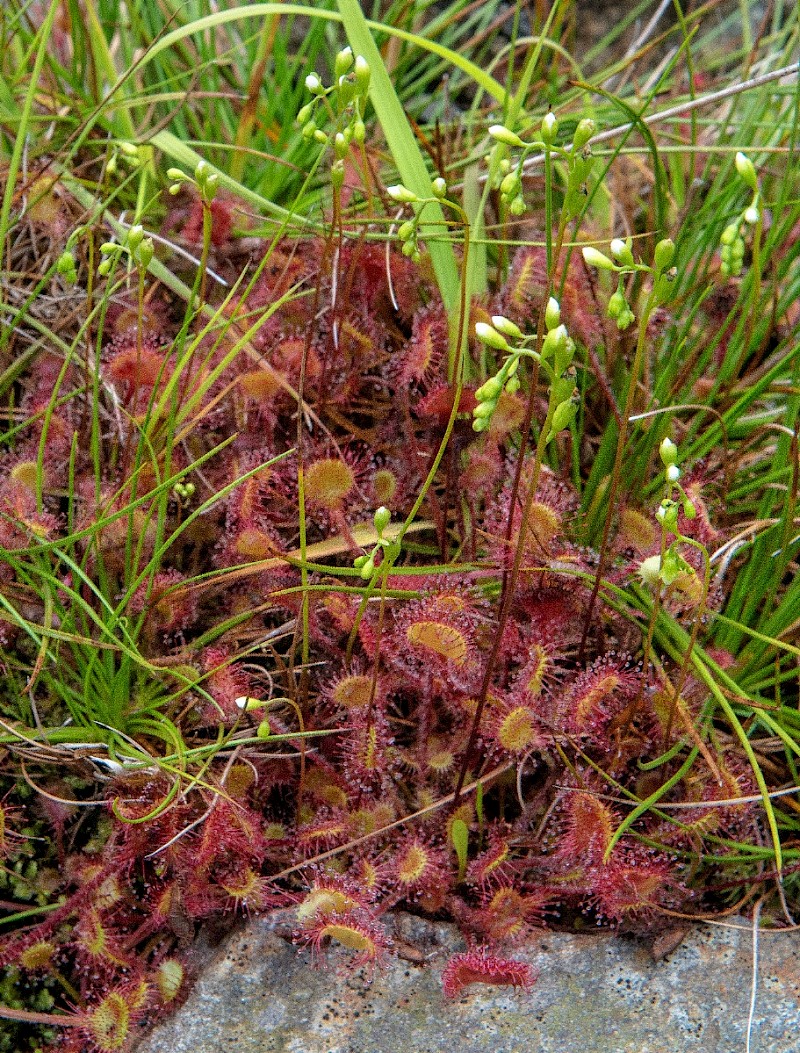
(664, 255)
(650, 570)
(344, 60)
(382, 519)
(555, 341)
(489, 336)
(362, 74)
(507, 327)
(505, 135)
(248, 704)
(668, 452)
(135, 236)
(552, 313)
(621, 251)
(549, 128)
(746, 169)
(594, 258)
(402, 194)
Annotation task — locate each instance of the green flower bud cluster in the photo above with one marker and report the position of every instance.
(670, 566)
(732, 249)
(205, 181)
(510, 186)
(65, 266)
(667, 511)
(183, 492)
(344, 101)
(732, 240)
(390, 550)
(507, 181)
(248, 704)
(408, 231)
(621, 262)
(137, 247)
(619, 309)
(555, 358)
(668, 452)
(558, 346)
(110, 252)
(128, 152)
(558, 351)
(567, 400)
(506, 379)
(507, 178)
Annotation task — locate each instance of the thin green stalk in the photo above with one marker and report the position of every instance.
(410, 163)
(22, 131)
(616, 471)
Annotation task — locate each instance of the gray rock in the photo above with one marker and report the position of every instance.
(595, 994)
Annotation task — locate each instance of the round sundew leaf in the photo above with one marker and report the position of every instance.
(412, 864)
(517, 732)
(440, 638)
(169, 978)
(350, 937)
(109, 1023)
(353, 692)
(328, 482)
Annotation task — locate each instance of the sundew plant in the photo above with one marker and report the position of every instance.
(398, 484)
